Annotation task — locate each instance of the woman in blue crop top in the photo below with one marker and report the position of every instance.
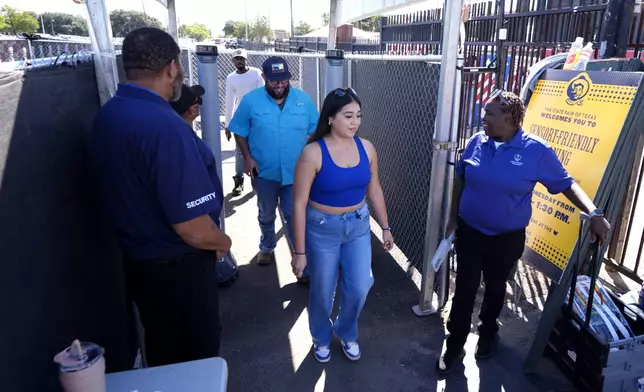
(335, 174)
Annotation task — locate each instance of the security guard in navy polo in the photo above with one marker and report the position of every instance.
(160, 187)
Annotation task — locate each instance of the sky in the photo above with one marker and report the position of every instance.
(213, 14)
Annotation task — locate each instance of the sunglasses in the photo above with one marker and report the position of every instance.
(279, 82)
(341, 92)
(502, 96)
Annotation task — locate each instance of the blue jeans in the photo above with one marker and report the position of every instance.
(239, 162)
(334, 243)
(269, 195)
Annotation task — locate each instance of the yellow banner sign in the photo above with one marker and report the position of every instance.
(580, 115)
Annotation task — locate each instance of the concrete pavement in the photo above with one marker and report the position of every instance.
(267, 345)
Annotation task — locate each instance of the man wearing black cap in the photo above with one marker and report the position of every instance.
(160, 188)
(188, 106)
(271, 127)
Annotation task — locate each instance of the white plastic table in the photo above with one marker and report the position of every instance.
(206, 375)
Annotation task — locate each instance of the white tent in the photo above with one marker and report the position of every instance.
(324, 32)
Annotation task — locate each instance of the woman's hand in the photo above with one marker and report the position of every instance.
(599, 228)
(299, 264)
(387, 240)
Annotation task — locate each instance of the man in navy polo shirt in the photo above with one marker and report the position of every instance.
(160, 188)
(271, 127)
(491, 208)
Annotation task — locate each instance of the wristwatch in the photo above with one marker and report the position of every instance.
(597, 212)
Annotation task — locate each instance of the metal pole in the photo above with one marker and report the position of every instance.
(333, 24)
(292, 25)
(447, 201)
(100, 31)
(442, 146)
(501, 36)
(334, 70)
(207, 57)
(245, 21)
(610, 28)
(172, 20)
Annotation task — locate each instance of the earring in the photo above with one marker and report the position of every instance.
(329, 123)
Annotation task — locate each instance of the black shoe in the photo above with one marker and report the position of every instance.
(239, 185)
(449, 359)
(485, 347)
(304, 280)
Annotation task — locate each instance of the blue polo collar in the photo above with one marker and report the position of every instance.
(128, 90)
(515, 142)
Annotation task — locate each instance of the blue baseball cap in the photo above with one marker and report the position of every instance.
(276, 68)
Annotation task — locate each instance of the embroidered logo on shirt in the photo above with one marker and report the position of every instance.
(299, 104)
(201, 200)
(517, 160)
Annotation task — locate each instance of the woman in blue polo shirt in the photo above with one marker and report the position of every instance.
(334, 175)
(491, 208)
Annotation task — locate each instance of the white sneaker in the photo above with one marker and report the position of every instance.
(322, 353)
(351, 350)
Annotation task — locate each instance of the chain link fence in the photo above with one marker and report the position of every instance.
(255, 59)
(399, 111)
(15, 49)
(399, 102)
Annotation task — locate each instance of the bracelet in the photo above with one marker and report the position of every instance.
(386, 229)
(299, 254)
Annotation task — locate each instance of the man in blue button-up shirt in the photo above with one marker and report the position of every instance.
(271, 127)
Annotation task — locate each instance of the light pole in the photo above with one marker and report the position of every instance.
(292, 29)
(245, 22)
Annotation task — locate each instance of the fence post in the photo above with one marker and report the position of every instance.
(434, 228)
(617, 13)
(443, 293)
(31, 50)
(501, 58)
(383, 45)
(100, 31)
(191, 73)
(624, 30)
(317, 83)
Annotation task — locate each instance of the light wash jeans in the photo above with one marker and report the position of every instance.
(334, 243)
(269, 195)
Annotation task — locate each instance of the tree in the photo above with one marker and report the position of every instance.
(369, 24)
(125, 21)
(260, 30)
(197, 32)
(325, 19)
(13, 21)
(60, 23)
(235, 29)
(302, 28)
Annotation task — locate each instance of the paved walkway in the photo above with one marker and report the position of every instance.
(267, 343)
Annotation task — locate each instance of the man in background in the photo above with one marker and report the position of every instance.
(271, 127)
(159, 186)
(238, 83)
(188, 106)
